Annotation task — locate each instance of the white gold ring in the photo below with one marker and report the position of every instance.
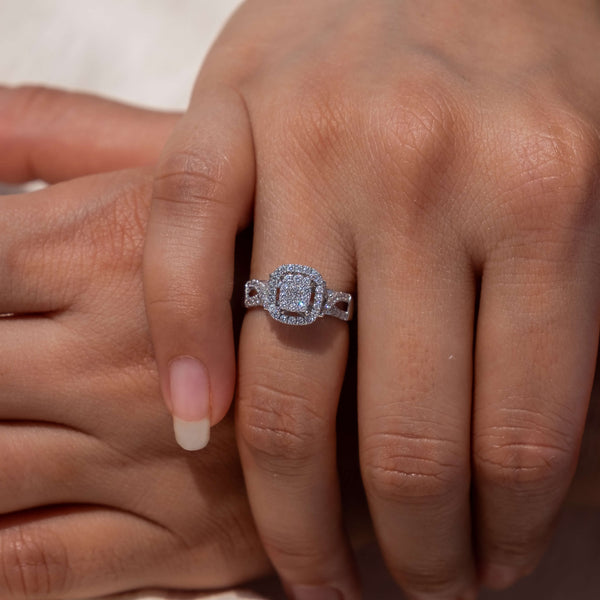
(297, 295)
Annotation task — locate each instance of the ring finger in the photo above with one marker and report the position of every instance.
(289, 383)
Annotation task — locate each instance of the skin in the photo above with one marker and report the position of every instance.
(95, 495)
(441, 160)
(51, 550)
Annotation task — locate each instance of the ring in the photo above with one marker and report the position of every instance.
(297, 295)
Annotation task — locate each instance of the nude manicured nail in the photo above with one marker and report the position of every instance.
(192, 435)
(190, 402)
(313, 592)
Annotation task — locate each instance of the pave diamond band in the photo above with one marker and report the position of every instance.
(297, 295)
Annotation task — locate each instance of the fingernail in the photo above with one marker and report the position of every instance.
(192, 435)
(190, 402)
(314, 592)
(499, 577)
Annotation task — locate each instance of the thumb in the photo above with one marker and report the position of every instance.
(56, 135)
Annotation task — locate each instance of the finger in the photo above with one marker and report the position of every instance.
(62, 553)
(414, 390)
(52, 463)
(535, 355)
(59, 473)
(56, 135)
(46, 373)
(289, 383)
(202, 197)
(53, 246)
(27, 272)
(38, 268)
(30, 349)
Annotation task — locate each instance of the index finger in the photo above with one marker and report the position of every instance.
(55, 135)
(203, 193)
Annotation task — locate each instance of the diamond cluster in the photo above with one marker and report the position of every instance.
(296, 294)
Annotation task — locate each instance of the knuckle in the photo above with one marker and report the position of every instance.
(408, 134)
(122, 220)
(33, 563)
(415, 139)
(301, 554)
(551, 173)
(420, 126)
(192, 303)
(113, 230)
(521, 549)
(31, 106)
(315, 122)
(409, 468)
(190, 185)
(278, 426)
(566, 150)
(25, 260)
(13, 261)
(432, 580)
(36, 100)
(334, 117)
(523, 461)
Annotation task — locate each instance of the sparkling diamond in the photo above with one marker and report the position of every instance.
(294, 293)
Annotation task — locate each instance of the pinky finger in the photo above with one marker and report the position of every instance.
(88, 551)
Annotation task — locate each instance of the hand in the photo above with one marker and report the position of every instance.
(95, 496)
(441, 159)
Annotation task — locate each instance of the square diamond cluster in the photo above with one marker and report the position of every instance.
(296, 294)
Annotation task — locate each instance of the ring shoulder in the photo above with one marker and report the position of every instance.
(339, 305)
(255, 293)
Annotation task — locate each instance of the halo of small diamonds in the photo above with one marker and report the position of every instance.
(297, 295)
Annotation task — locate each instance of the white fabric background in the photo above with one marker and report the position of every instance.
(141, 51)
(147, 52)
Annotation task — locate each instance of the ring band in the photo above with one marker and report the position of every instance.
(297, 295)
